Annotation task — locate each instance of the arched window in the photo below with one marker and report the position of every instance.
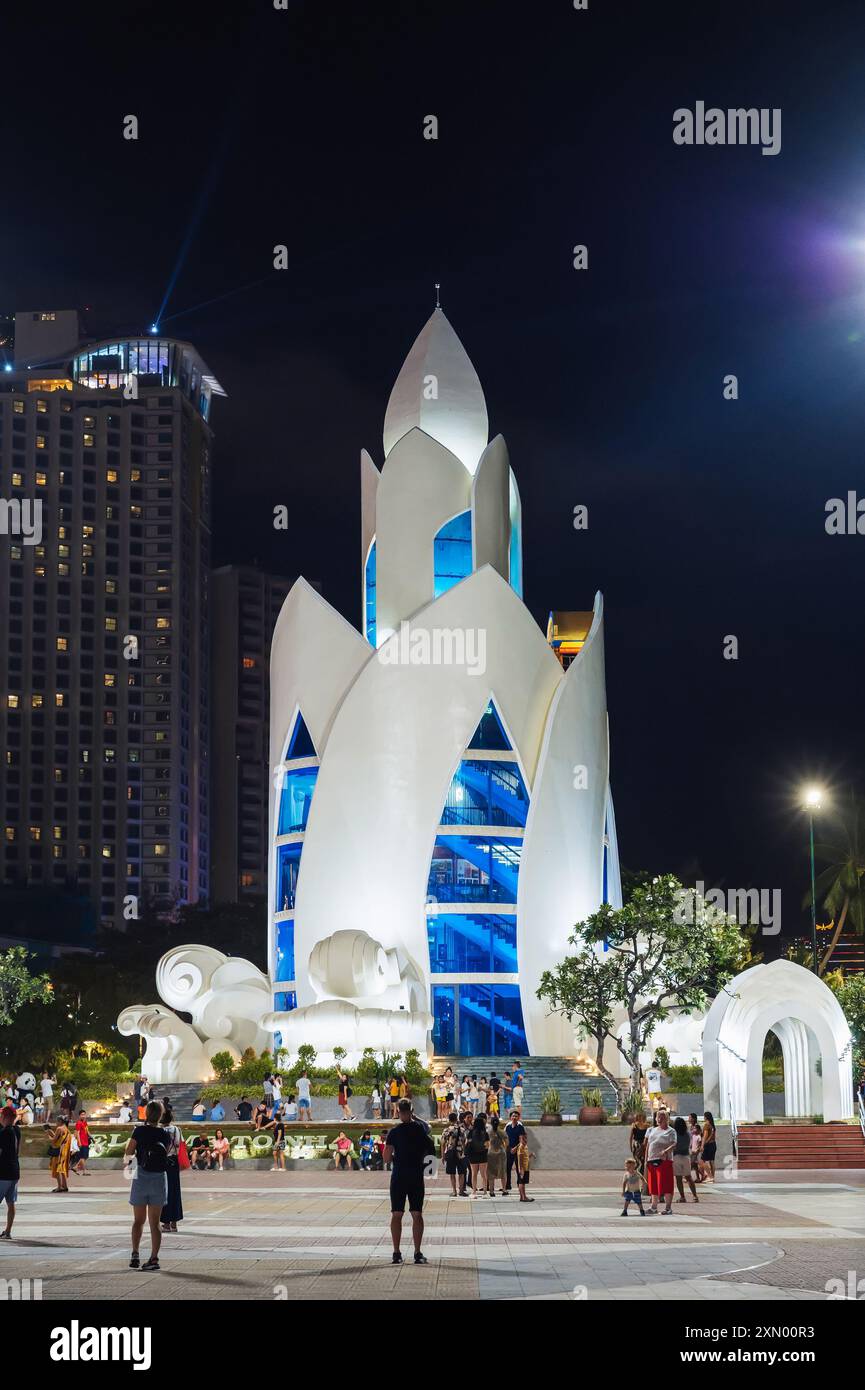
(298, 774)
(369, 595)
(452, 552)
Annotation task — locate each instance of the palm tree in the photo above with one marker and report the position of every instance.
(842, 883)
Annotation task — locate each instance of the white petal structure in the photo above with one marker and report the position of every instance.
(438, 391)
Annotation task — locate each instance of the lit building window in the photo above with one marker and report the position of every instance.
(162, 623)
(42, 407)
(109, 678)
(249, 663)
(62, 644)
(12, 701)
(58, 832)
(160, 851)
(111, 475)
(63, 550)
(58, 699)
(35, 833)
(17, 480)
(110, 624)
(88, 441)
(41, 441)
(111, 586)
(86, 532)
(36, 701)
(41, 479)
(18, 407)
(63, 571)
(107, 852)
(89, 421)
(10, 833)
(135, 475)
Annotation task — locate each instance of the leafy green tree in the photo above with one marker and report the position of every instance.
(584, 988)
(18, 986)
(850, 993)
(841, 886)
(667, 949)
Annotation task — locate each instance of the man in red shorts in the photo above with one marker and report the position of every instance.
(660, 1143)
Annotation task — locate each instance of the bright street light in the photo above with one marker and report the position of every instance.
(812, 798)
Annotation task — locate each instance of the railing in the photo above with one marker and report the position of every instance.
(734, 1128)
(862, 1110)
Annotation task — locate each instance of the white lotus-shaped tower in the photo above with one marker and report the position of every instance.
(440, 814)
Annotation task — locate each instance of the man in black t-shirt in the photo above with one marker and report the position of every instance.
(243, 1110)
(407, 1146)
(514, 1130)
(10, 1169)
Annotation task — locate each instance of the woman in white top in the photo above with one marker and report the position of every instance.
(482, 1096)
(473, 1094)
(464, 1094)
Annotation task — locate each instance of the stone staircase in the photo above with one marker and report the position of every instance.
(568, 1077)
(183, 1096)
(801, 1145)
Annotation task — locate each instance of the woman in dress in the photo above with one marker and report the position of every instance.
(60, 1140)
(345, 1096)
(477, 1149)
(639, 1130)
(496, 1157)
(710, 1147)
(172, 1210)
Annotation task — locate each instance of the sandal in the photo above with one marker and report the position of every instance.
(150, 1265)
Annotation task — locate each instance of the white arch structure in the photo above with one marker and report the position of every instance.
(803, 1013)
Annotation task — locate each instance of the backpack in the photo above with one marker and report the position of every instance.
(155, 1158)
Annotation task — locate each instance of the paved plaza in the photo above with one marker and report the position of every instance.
(324, 1235)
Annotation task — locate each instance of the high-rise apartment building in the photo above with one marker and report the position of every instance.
(104, 656)
(246, 604)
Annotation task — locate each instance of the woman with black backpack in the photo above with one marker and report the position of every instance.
(149, 1144)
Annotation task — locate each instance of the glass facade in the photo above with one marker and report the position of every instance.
(295, 798)
(463, 943)
(486, 793)
(452, 552)
(283, 1001)
(284, 956)
(480, 868)
(369, 595)
(156, 361)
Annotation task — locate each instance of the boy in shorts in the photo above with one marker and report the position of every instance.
(632, 1187)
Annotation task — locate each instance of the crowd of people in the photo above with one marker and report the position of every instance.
(665, 1156)
(476, 1095)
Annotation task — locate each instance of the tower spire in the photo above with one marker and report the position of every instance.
(438, 297)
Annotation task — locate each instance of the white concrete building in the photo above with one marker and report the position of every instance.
(441, 814)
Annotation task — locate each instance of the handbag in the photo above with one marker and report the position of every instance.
(183, 1155)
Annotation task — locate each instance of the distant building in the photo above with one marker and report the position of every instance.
(567, 633)
(246, 605)
(105, 457)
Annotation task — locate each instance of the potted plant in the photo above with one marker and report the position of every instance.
(592, 1111)
(551, 1107)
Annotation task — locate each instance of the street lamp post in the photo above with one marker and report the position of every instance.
(813, 802)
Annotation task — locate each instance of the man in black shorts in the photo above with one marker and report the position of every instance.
(407, 1147)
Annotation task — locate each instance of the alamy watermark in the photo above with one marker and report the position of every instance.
(437, 646)
(736, 126)
(21, 516)
(749, 906)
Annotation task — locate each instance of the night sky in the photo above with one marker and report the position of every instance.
(706, 517)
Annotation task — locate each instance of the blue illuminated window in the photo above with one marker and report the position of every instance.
(474, 869)
(287, 869)
(486, 793)
(295, 799)
(452, 552)
(286, 999)
(490, 734)
(491, 1021)
(369, 595)
(284, 954)
(462, 943)
(300, 744)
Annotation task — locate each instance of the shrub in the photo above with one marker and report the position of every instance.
(592, 1097)
(687, 1079)
(632, 1103)
(116, 1064)
(222, 1063)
